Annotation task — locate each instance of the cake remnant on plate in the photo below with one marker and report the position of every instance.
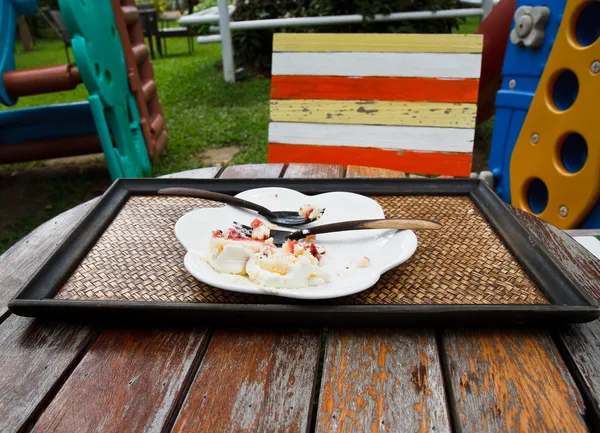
(296, 264)
(312, 213)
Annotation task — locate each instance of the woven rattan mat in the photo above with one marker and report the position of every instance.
(138, 258)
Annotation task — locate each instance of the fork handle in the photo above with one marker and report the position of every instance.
(215, 196)
(398, 224)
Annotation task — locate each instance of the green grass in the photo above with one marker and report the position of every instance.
(469, 26)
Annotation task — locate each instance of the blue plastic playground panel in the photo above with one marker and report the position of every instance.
(9, 10)
(592, 220)
(521, 73)
(537, 196)
(46, 123)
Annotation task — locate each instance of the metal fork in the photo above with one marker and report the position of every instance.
(281, 236)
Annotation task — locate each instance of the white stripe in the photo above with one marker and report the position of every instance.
(382, 137)
(431, 65)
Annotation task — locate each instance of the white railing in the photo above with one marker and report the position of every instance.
(225, 26)
(476, 2)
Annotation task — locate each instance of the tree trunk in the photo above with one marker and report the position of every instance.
(25, 34)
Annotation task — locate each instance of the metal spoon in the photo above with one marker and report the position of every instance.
(284, 218)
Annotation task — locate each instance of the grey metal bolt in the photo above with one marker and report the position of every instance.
(535, 138)
(563, 211)
(512, 84)
(595, 67)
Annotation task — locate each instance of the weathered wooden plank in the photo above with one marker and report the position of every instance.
(128, 381)
(415, 138)
(582, 351)
(581, 342)
(373, 42)
(582, 232)
(495, 383)
(253, 381)
(380, 381)
(374, 88)
(574, 259)
(197, 173)
(354, 112)
(440, 163)
(313, 171)
(34, 359)
(362, 171)
(22, 260)
(432, 65)
(510, 381)
(255, 171)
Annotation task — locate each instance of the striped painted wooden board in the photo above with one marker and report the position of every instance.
(396, 101)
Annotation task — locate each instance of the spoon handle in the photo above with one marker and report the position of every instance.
(215, 196)
(399, 224)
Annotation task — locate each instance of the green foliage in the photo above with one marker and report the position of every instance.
(253, 49)
(160, 5)
(205, 5)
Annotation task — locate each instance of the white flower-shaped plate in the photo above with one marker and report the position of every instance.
(385, 249)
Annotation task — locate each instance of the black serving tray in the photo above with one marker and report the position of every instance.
(568, 302)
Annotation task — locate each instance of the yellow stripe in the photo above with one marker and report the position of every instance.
(374, 113)
(372, 42)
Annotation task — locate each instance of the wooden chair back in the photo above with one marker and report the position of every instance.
(405, 102)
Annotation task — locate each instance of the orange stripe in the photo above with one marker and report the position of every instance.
(374, 88)
(450, 164)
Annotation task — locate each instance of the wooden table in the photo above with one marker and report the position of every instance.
(70, 378)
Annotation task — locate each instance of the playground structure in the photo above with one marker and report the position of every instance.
(122, 118)
(545, 154)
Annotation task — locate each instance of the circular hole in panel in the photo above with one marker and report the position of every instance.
(573, 152)
(107, 77)
(565, 90)
(537, 196)
(587, 27)
(97, 69)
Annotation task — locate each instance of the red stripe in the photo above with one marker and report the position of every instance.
(450, 164)
(374, 88)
